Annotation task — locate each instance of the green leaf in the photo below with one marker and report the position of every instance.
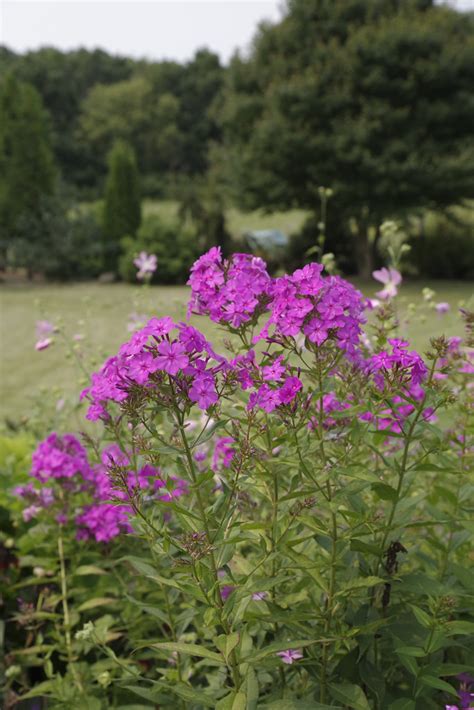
(385, 492)
(95, 602)
(359, 546)
(359, 583)
(274, 648)
(226, 644)
(352, 695)
(433, 682)
(190, 649)
(88, 569)
(421, 616)
(149, 609)
(210, 431)
(234, 701)
(453, 669)
(44, 688)
(464, 628)
(148, 571)
(252, 689)
(31, 650)
(403, 704)
(413, 651)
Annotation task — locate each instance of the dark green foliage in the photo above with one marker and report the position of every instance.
(63, 79)
(337, 242)
(203, 203)
(175, 246)
(444, 248)
(27, 169)
(61, 243)
(162, 108)
(122, 208)
(371, 99)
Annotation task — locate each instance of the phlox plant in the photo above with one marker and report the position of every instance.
(297, 504)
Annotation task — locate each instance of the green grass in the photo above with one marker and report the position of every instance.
(100, 313)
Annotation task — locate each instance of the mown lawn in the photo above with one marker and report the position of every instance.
(101, 312)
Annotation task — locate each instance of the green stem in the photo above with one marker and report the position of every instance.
(403, 470)
(66, 615)
(334, 537)
(202, 512)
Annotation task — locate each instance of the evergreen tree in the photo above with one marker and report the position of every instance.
(27, 169)
(122, 208)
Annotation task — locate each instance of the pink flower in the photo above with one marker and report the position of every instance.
(290, 656)
(146, 264)
(172, 357)
(290, 389)
(226, 591)
(442, 308)
(391, 278)
(43, 344)
(372, 303)
(274, 371)
(44, 328)
(203, 390)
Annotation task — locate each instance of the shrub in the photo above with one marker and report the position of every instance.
(444, 247)
(296, 510)
(338, 241)
(175, 246)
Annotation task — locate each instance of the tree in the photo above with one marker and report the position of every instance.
(27, 168)
(122, 207)
(369, 97)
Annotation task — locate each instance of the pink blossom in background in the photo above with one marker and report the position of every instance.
(372, 303)
(44, 329)
(146, 264)
(290, 656)
(390, 278)
(43, 344)
(442, 308)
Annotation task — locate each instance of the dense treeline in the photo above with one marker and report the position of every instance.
(93, 98)
(371, 98)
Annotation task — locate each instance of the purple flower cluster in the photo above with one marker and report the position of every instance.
(466, 693)
(224, 452)
(318, 307)
(230, 290)
(330, 405)
(100, 510)
(406, 366)
(36, 499)
(59, 457)
(152, 358)
(273, 382)
(269, 398)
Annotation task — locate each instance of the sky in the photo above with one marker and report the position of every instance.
(152, 29)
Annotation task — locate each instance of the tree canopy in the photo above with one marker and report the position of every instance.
(372, 99)
(27, 168)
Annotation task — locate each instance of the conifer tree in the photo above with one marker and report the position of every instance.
(122, 208)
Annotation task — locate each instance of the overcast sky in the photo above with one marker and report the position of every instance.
(155, 29)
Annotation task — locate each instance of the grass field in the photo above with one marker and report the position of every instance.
(100, 313)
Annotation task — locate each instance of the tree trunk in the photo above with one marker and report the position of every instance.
(363, 251)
